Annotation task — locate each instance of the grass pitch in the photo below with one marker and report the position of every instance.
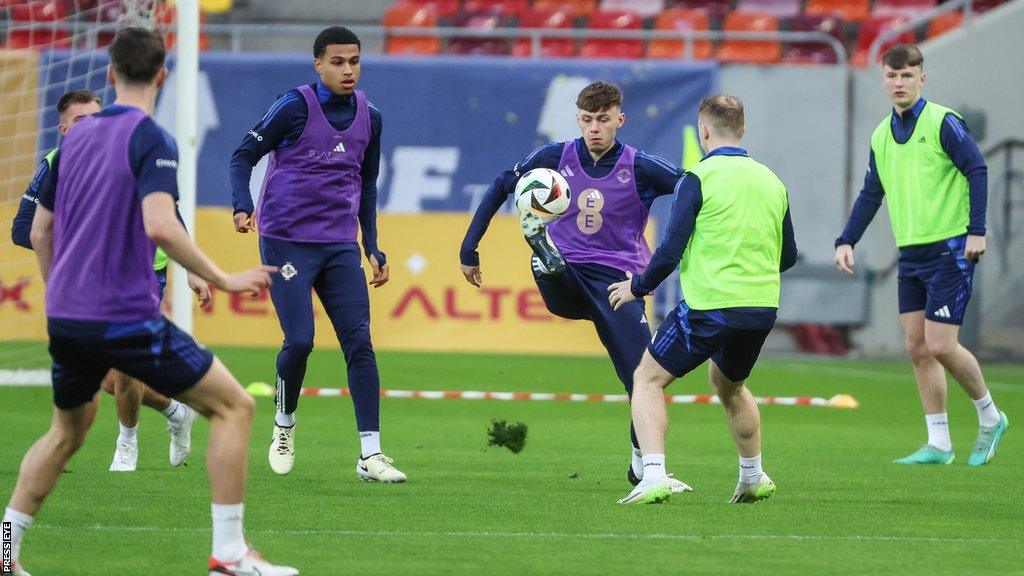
(842, 507)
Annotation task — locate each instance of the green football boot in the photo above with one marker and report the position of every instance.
(928, 454)
(988, 441)
(649, 494)
(748, 493)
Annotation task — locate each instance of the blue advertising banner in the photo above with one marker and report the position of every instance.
(451, 124)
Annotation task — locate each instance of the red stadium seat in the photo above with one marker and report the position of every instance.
(513, 8)
(849, 10)
(612, 47)
(549, 47)
(907, 8)
(680, 19)
(944, 23)
(643, 8)
(714, 8)
(472, 46)
(750, 51)
(777, 8)
(982, 6)
(813, 52)
(575, 7)
(410, 15)
(166, 14)
(25, 15)
(870, 29)
(442, 8)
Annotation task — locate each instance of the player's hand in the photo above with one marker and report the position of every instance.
(381, 274)
(844, 258)
(621, 293)
(473, 275)
(975, 247)
(243, 223)
(253, 281)
(202, 290)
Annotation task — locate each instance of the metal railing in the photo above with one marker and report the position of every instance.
(236, 33)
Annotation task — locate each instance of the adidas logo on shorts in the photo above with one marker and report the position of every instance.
(942, 312)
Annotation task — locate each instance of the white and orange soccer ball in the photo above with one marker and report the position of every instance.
(542, 192)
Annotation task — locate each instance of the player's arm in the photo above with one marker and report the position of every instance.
(21, 228)
(544, 157)
(665, 259)
(963, 151)
(41, 236)
(368, 202)
(655, 176)
(789, 251)
(864, 210)
(276, 128)
(153, 157)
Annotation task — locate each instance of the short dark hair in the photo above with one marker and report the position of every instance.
(137, 55)
(334, 35)
(599, 96)
(724, 113)
(76, 97)
(903, 56)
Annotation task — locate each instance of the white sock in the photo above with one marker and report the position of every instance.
(369, 443)
(750, 469)
(938, 431)
(19, 525)
(654, 468)
(988, 415)
(285, 420)
(175, 412)
(637, 463)
(228, 537)
(127, 435)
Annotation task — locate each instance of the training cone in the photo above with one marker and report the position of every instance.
(843, 401)
(260, 389)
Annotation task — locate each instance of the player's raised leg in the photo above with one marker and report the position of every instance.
(931, 386)
(341, 287)
(944, 346)
(293, 301)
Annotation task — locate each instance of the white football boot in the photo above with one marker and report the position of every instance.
(181, 437)
(126, 457)
(379, 468)
(252, 564)
(282, 450)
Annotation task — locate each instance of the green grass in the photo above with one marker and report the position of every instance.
(842, 508)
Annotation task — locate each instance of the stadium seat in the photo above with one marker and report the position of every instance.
(849, 10)
(680, 19)
(442, 8)
(870, 29)
(715, 8)
(612, 47)
(777, 8)
(982, 6)
(549, 47)
(643, 8)
(575, 7)
(906, 8)
(813, 52)
(750, 51)
(411, 15)
(37, 12)
(512, 8)
(944, 23)
(166, 15)
(473, 46)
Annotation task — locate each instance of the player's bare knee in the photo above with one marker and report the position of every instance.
(918, 350)
(942, 349)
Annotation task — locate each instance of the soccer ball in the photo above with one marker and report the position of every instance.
(542, 192)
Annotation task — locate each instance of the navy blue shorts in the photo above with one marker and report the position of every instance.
(936, 278)
(687, 338)
(161, 283)
(154, 351)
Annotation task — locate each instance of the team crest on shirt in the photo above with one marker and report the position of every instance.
(624, 175)
(288, 271)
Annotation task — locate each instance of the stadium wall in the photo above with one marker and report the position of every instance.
(970, 69)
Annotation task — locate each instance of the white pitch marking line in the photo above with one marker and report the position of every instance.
(563, 535)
